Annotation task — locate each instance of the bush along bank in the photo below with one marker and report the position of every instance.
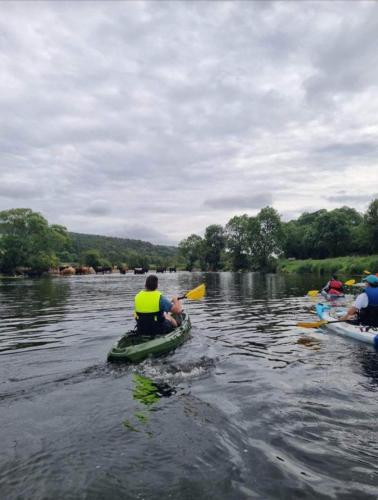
(340, 265)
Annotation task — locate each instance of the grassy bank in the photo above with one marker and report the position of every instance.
(341, 265)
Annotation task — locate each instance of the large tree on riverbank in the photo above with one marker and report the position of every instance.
(236, 231)
(27, 240)
(265, 238)
(371, 225)
(214, 243)
(331, 233)
(191, 250)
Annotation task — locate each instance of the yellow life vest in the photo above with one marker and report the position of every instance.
(147, 302)
(149, 318)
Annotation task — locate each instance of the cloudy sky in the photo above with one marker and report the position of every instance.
(152, 120)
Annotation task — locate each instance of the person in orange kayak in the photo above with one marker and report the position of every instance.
(153, 312)
(333, 287)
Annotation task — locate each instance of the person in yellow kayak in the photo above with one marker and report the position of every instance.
(333, 287)
(365, 308)
(154, 313)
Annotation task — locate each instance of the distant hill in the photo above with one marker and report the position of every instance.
(134, 253)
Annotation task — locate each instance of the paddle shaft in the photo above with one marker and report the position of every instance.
(337, 321)
(317, 324)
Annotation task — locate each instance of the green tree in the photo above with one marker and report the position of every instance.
(324, 234)
(332, 236)
(191, 250)
(92, 258)
(214, 243)
(42, 262)
(27, 240)
(308, 218)
(236, 233)
(371, 224)
(59, 239)
(351, 215)
(294, 243)
(266, 237)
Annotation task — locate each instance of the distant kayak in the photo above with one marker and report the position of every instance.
(346, 329)
(331, 296)
(360, 285)
(135, 348)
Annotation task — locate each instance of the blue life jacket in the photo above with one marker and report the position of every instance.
(369, 315)
(372, 293)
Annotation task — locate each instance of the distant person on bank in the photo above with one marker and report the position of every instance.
(154, 313)
(365, 308)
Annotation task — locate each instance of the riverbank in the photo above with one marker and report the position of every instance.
(341, 265)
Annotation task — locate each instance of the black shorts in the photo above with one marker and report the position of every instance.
(167, 326)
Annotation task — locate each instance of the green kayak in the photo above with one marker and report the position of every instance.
(135, 348)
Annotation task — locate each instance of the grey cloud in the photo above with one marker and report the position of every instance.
(349, 149)
(348, 61)
(140, 109)
(352, 199)
(99, 208)
(145, 233)
(240, 202)
(19, 190)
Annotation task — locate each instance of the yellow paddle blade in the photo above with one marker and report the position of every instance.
(196, 293)
(316, 324)
(367, 272)
(313, 293)
(350, 282)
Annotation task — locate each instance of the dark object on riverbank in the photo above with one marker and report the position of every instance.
(140, 270)
(135, 348)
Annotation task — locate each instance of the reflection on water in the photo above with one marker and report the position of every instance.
(29, 311)
(147, 392)
(248, 407)
(309, 342)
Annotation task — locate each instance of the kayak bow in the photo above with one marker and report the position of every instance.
(345, 329)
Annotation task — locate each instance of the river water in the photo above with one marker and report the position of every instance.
(248, 407)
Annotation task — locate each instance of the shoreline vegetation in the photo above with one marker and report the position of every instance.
(352, 265)
(341, 265)
(341, 240)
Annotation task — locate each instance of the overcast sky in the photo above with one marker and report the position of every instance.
(152, 120)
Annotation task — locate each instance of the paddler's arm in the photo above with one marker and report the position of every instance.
(176, 306)
(351, 313)
(360, 302)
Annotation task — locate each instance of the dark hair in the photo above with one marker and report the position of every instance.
(151, 282)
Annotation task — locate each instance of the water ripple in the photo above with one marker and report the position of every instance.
(249, 407)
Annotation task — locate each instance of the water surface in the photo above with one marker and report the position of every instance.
(249, 407)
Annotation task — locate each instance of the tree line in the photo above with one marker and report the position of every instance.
(246, 242)
(29, 244)
(95, 250)
(256, 243)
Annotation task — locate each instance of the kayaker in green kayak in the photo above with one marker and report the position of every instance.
(154, 313)
(365, 308)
